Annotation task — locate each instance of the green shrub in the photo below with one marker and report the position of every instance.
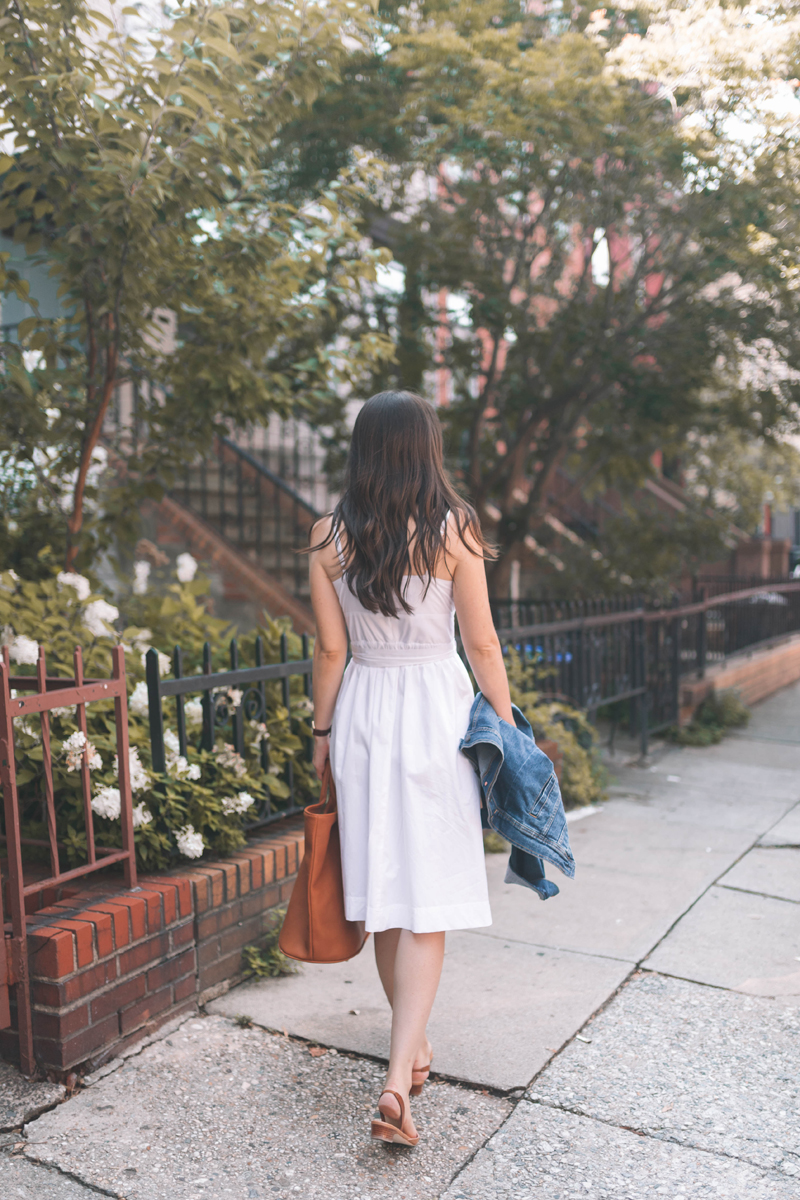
(268, 961)
(583, 777)
(201, 803)
(718, 713)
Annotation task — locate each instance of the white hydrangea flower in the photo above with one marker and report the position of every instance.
(164, 661)
(97, 617)
(79, 583)
(141, 574)
(107, 803)
(228, 757)
(62, 712)
(235, 697)
(26, 726)
(261, 732)
(274, 769)
(193, 711)
(138, 702)
(73, 748)
(141, 816)
(186, 568)
(181, 768)
(139, 776)
(189, 842)
(142, 639)
(304, 705)
(24, 650)
(237, 804)
(172, 743)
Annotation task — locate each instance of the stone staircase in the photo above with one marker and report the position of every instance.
(234, 510)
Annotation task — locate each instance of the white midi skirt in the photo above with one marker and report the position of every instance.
(409, 801)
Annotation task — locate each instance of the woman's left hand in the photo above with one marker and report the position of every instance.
(322, 750)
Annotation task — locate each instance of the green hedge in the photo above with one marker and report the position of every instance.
(202, 802)
(583, 777)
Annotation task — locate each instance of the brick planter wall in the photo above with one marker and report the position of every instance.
(108, 967)
(754, 674)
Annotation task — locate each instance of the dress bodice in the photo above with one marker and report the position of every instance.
(426, 634)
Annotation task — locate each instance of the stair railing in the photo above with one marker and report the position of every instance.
(279, 516)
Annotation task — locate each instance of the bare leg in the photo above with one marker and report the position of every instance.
(417, 969)
(385, 951)
(386, 942)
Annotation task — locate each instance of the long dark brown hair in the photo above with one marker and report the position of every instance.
(395, 472)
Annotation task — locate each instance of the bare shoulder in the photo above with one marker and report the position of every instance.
(463, 545)
(326, 556)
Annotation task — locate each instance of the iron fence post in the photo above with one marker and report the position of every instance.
(578, 643)
(262, 692)
(286, 697)
(307, 691)
(237, 719)
(177, 672)
(633, 655)
(676, 669)
(207, 741)
(643, 703)
(702, 636)
(155, 714)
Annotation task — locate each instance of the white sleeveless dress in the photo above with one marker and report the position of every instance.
(408, 799)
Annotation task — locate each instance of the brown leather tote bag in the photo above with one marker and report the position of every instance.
(315, 929)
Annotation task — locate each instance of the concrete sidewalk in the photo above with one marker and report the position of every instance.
(636, 1036)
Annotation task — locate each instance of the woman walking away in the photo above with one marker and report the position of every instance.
(401, 553)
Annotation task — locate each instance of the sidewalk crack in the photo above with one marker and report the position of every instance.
(675, 1141)
(55, 1169)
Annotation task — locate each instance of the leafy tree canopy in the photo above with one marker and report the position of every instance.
(587, 238)
(135, 174)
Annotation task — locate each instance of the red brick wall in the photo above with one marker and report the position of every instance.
(108, 967)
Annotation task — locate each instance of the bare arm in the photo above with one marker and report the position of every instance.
(330, 643)
(482, 646)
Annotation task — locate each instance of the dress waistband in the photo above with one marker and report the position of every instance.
(376, 655)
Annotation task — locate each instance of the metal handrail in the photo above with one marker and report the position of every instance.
(599, 620)
(285, 487)
(254, 509)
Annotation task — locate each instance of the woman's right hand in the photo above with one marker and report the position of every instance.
(322, 751)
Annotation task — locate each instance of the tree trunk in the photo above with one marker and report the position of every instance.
(75, 523)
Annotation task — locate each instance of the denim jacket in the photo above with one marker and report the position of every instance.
(522, 799)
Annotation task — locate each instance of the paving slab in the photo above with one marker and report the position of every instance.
(772, 872)
(786, 832)
(542, 1152)
(217, 1111)
(711, 1069)
(24, 1180)
(735, 940)
(502, 1009)
(23, 1099)
(776, 719)
(636, 870)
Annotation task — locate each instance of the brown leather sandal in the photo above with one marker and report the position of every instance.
(387, 1130)
(418, 1077)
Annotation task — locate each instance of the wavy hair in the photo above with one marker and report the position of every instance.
(396, 474)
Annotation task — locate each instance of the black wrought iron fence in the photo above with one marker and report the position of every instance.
(229, 699)
(639, 656)
(632, 657)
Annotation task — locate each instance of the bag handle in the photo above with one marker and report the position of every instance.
(327, 792)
